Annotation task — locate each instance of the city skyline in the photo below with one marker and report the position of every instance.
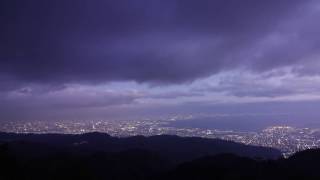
(287, 139)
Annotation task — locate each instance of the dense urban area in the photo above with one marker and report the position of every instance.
(285, 138)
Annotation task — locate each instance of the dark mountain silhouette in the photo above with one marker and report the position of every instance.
(176, 149)
(302, 165)
(100, 156)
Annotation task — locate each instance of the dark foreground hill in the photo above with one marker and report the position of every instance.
(303, 165)
(100, 156)
(174, 148)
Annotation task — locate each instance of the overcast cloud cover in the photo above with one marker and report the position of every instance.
(102, 58)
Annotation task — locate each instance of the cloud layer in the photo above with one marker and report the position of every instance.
(152, 41)
(70, 55)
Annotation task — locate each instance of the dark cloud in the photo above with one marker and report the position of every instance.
(172, 41)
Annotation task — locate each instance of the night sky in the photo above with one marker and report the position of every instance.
(91, 59)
